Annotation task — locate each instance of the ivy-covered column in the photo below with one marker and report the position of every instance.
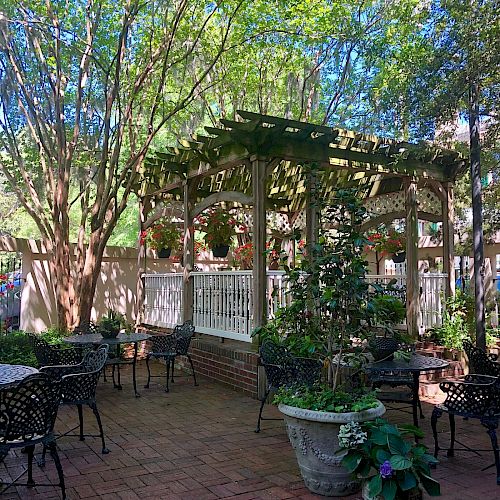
(412, 279)
(144, 208)
(448, 238)
(188, 254)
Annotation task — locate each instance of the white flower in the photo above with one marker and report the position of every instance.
(351, 434)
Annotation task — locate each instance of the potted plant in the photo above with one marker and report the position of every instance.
(387, 460)
(219, 227)
(163, 236)
(388, 242)
(109, 325)
(243, 256)
(328, 309)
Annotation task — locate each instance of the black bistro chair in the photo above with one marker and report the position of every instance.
(481, 362)
(79, 383)
(471, 396)
(48, 355)
(283, 369)
(28, 412)
(168, 347)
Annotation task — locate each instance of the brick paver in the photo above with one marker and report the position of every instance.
(199, 443)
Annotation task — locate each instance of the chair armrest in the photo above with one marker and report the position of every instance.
(59, 371)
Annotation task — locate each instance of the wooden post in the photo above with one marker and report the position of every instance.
(448, 239)
(144, 208)
(412, 280)
(259, 241)
(188, 255)
(312, 213)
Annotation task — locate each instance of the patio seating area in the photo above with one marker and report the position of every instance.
(199, 443)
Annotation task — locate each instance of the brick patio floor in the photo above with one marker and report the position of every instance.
(199, 443)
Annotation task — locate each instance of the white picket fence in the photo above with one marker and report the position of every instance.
(223, 300)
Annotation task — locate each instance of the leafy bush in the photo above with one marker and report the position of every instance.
(15, 349)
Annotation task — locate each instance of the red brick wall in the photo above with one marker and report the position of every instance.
(225, 364)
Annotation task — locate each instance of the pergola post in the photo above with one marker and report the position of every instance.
(259, 241)
(412, 279)
(448, 239)
(144, 207)
(188, 255)
(312, 213)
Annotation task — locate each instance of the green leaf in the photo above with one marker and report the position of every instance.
(411, 429)
(430, 485)
(389, 489)
(409, 481)
(378, 437)
(375, 486)
(398, 462)
(398, 445)
(430, 459)
(351, 461)
(382, 455)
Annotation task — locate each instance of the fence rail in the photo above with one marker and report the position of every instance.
(223, 300)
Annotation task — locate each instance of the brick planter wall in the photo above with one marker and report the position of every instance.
(227, 364)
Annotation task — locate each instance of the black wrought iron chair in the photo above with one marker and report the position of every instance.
(85, 328)
(79, 383)
(47, 354)
(28, 412)
(283, 369)
(470, 396)
(162, 347)
(481, 362)
(183, 335)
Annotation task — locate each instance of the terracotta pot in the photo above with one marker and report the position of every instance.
(164, 253)
(220, 250)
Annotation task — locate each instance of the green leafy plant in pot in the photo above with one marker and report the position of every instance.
(110, 324)
(329, 312)
(387, 460)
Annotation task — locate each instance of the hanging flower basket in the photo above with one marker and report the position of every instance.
(220, 250)
(399, 258)
(164, 253)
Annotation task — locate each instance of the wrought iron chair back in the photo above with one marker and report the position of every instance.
(47, 354)
(481, 362)
(85, 328)
(183, 335)
(29, 409)
(162, 343)
(284, 369)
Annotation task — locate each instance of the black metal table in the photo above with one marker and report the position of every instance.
(123, 338)
(416, 365)
(11, 374)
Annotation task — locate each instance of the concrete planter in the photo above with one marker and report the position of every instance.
(314, 437)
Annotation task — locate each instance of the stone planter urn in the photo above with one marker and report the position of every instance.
(314, 437)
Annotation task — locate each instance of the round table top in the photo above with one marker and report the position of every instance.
(97, 338)
(417, 363)
(11, 374)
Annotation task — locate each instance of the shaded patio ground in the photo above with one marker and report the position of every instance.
(199, 443)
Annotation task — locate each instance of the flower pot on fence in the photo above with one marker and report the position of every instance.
(164, 253)
(314, 437)
(220, 250)
(399, 258)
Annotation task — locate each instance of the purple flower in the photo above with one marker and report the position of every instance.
(386, 470)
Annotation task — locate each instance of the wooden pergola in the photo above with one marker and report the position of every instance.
(262, 162)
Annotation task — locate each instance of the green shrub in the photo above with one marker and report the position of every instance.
(15, 349)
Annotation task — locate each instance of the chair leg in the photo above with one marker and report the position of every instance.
(167, 363)
(436, 413)
(55, 456)
(101, 431)
(149, 372)
(192, 368)
(491, 425)
(173, 365)
(31, 451)
(451, 449)
(420, 408)
(80, 419)
(262, 403)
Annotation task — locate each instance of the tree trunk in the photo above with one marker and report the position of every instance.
(477, 215)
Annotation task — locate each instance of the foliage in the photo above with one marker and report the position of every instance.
(219, 226)
(162, 234)
(458, 321)
(16, 349)
(111, 322)
(388, 310)
(324, 398)
(389, 463)
(243, 256)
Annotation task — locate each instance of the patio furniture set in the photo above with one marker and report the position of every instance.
(474, 396)
(30, 397)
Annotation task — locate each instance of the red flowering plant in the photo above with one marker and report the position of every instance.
(243, 255)
(5, 284)
(219, 226)
(162, 234)
(389, 241)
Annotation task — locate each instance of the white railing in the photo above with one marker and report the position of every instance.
(163, 299)
(223, 300)
(223, 304)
